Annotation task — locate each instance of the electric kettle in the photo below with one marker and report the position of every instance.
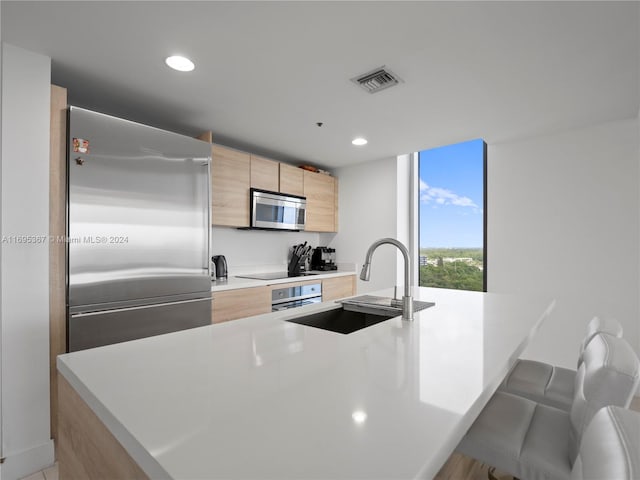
(220, 265)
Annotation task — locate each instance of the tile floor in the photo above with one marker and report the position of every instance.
(50, 473)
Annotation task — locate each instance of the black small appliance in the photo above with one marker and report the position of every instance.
(220, 264)
(324, 258)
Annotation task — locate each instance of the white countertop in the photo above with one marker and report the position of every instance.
(234, 282)
(265, 398)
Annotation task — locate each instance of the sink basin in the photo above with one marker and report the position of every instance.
(380, 305)
(340, 320)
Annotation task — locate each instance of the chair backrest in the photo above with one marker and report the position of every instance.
(610, 446)
(609, 375)
(598, 325)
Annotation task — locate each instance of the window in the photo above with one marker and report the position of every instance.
(452, 216)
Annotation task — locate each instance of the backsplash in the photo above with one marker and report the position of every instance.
(251, 251)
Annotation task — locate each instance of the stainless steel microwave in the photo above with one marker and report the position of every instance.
(277, 211)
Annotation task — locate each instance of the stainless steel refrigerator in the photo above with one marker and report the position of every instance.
(138, 226)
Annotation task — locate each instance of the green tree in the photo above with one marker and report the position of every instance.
(457, 275)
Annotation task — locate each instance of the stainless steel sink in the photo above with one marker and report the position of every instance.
(357, 313)
(380, 305)
(341, 320)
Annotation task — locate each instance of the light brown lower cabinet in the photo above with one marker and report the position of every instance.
(294, 284)
(240, 303)
(338, 287)
(246, 302)
(86, 448)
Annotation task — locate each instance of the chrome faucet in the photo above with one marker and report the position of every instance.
(407, 301)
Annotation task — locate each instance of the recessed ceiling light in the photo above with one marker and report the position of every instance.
(359, 416)
(182, 64)
(359, 141)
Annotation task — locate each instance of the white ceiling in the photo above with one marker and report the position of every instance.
(266, 72)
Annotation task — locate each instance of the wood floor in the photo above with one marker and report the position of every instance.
(461, 467)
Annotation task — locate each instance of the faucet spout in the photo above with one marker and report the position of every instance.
(407, 301)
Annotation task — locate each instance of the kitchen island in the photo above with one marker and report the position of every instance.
(266, 398)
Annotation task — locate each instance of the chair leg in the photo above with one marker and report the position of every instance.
(490, 473)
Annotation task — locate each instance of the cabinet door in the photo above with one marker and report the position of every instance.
(338, 287)
(240, 303)
(265, 173)
(320, 191)
(291, 180)
(230, 177)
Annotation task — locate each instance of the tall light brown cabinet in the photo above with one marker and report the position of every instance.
(57, 247)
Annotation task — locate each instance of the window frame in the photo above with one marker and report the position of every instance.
(415, 182)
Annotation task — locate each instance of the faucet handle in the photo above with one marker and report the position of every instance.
(395, 301)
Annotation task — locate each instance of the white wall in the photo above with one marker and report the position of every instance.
(1, 264)
(406, 205)
(563, 221)
(250, 251)
(24, 288)
(367, 212)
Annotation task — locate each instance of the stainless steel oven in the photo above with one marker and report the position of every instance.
(291, 297)
(276, 211)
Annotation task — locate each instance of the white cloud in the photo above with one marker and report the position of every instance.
(442, 196)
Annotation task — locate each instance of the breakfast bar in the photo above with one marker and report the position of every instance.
(266, 398)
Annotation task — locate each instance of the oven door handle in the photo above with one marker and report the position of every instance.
(295, 299)
(277, 307)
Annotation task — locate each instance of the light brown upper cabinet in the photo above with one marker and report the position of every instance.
(321, 193)
(234, 172)
(291, 180)
(265, 173)
(230, 180)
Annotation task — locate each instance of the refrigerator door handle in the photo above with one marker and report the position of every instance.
(105, 327)
(140, 307)
(207, 219)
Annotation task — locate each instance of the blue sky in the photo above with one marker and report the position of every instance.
(451, 210)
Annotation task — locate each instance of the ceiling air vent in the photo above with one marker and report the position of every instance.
(376, 80)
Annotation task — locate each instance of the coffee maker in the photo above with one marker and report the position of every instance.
(324, 259)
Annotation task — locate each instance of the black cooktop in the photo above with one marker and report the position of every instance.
(273, 275)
